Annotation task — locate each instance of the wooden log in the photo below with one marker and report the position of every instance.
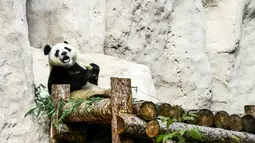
(235, 123)
(58, 92)
(152, 128)
(221, 120)
(248, 123)
(121, 102)
(205, 118)
(176, 112)
(163, 109)
(145, 109)
(249, 109)
(131, 125)
(195, 121)
(97, 112)
(209, 134)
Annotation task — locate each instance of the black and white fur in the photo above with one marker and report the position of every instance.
(65, 69)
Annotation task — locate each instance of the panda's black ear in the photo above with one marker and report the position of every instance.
(66, 42)
(46, 50)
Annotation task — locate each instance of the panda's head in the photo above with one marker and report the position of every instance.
(61, 54)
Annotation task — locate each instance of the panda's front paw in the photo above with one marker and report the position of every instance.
(95, 68)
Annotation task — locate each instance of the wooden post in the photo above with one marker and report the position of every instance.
(58, 91)
(249, 109)
(121, 102)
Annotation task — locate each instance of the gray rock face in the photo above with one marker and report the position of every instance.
(16, 77)
(242, 80)
(200, 52)
(79, 22)
(167, 36)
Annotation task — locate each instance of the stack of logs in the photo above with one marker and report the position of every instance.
(139, 119)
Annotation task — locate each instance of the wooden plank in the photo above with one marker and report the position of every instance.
(121, 102)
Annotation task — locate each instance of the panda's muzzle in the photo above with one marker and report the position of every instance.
(66, 59)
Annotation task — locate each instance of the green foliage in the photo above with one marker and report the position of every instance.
(237, 139)
(44, 105)
(91, 100)
(188, 116)
(181, 135)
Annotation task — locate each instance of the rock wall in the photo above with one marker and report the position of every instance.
(168, 36)
(81, 22)
(200, 52)
(16, 77)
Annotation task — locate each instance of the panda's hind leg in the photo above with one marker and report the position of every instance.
(90, 90)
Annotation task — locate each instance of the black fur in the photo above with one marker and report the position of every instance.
(47, 50)
(76, 76)
(67, 49)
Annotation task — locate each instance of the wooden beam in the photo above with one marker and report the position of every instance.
(97, 112)
(121, 102)
(209, 133)
(60, 91)
(131, 125)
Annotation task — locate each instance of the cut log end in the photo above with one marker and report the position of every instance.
(205, 118)
(221, 119)
(120, 125)
(195, 121)
(248, 123)
(176, 112)
(235, 123)
(152, 128)
(133, 126)
(148, 111)
(163, 109)
(249, 109)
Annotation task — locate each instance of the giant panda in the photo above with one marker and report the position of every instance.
(64, 69)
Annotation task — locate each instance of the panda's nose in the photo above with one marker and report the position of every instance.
(64, 53)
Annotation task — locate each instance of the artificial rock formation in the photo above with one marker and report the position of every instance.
(200, 52)
(16, 77)
(82, 23)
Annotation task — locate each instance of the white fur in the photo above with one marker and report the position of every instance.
(57, 61)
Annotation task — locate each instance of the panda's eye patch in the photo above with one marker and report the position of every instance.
(57, 52)
(68, 49)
